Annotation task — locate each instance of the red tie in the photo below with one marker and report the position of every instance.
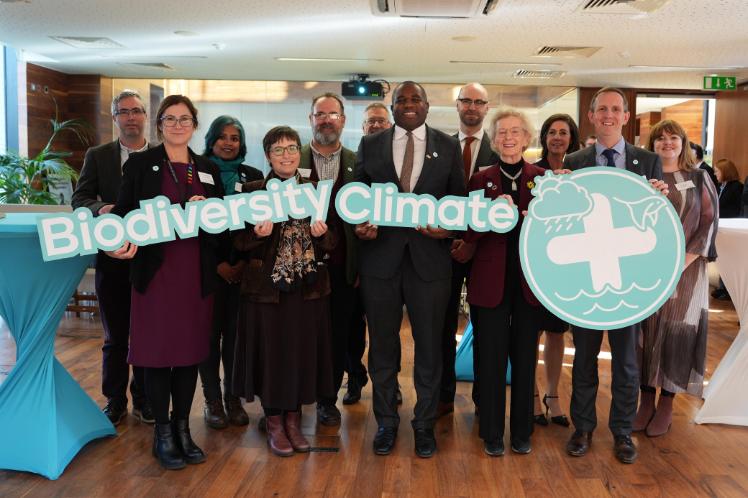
(467, 157)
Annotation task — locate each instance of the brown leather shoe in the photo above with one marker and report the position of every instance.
(277, 439)
(444, 408)
(579, 443)
(214, 415)
(625, 449)
(292, 423)
(234, 411)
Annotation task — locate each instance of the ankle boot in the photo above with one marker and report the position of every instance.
(645, 412)
(191, 452)
(234, 410)
(165, 448)
(277, 439)
(663, 417)
(292, 423)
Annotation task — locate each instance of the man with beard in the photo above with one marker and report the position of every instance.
(472, 107)
(325, 158)
(97, 190)
(406, 265)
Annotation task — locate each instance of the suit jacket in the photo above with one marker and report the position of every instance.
(441, 175)
(638, 160)
(745, 198)
(486, 155)
(706, 167)
(486, 283)
(141, 182)
(730, 199)
(345, 175)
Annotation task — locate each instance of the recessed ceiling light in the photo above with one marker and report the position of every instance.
(87, 41)
(317, 59)
(182, 32)
(508, 63)
(464, 38)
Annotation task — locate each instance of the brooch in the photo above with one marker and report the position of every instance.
(531, 185)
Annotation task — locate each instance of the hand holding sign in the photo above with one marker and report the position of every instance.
(433, 232)
(366, 231)
(318, 228)
(127, 251)
(264, 228)
(659, 185)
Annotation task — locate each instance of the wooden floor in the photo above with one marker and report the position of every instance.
(691, 460)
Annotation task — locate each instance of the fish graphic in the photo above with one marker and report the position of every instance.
(644, 212)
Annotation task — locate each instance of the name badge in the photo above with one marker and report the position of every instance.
(684, 185)
(305, 172)
(238, 187)
(206, 178)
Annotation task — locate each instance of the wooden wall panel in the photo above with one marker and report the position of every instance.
(586, 128)
(731, 123)
(690, 115)
(646, 121)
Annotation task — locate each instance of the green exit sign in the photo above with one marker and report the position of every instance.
(720, 83)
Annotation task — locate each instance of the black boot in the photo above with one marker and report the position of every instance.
(165, 448)
(190, 451)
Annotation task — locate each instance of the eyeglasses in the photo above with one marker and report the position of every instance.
(278, 151)
(512, 132)
(376, 121)
(184, 121)
(469, 102)
(135, 112)
(332, 116)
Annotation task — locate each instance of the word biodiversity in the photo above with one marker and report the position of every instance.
(157, 220)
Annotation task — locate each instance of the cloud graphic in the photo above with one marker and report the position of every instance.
(565, 199)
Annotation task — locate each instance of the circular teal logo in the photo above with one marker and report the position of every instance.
(600, 248)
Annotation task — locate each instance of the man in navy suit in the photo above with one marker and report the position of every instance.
(407, 266)
(608, 113)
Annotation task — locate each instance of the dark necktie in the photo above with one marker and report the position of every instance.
(467, 156)
(407, 169)
(610, 155)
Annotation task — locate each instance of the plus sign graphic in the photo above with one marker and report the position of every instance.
(600, 248)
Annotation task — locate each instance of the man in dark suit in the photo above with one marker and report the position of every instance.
(608, 113)
(325, 158)
(405, 265)
(97, 189)
(472, 107)
(698, 150)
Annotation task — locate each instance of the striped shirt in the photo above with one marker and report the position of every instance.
(327, 166)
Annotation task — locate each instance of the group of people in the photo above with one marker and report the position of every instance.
(285, 306)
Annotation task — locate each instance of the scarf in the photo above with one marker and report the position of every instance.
(229, 172)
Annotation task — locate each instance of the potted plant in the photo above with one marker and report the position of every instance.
(25, 180)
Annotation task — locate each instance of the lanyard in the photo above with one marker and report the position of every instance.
(184, 195)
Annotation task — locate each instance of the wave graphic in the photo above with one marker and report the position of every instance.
(614, 308)
(609, 289)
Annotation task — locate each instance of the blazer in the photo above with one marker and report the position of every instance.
(441, 175)
(486, 283)
(260, 254)
(730, 199)
(638, 160)
(141, 182)
(486, 155)
(345, 175)
(745, 197)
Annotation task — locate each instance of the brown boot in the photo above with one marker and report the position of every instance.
(277, 439)
(645, 412)
(234, 411)
(663, 417)
(292, 423)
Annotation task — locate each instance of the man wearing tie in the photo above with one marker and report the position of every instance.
(472, 107)
(608, 113)
(407, 266)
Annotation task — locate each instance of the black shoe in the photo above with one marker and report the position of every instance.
(214, 416)
(328, 415)
(115, 410)
(235, 411)
(540, 420)
(191, 452)
(165, 448)
(494, 448)
(556, 419)
(579, 443)
(625, 449)
(353, 395)
(144, 413)
(521, 446)
(425, 442)
(384, 441)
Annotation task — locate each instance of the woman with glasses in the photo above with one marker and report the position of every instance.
(172, 282)
(283, 348)
(225, 145)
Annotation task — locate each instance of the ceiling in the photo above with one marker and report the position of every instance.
(241, 40)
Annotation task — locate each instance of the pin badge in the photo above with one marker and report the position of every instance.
(436, 154)
(636, 161)
(155, 168)
(350, 169)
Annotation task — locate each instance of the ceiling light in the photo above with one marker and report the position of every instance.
(317, 59)
(508, 63)
(87, 41)
(182, 32)
(464, 38)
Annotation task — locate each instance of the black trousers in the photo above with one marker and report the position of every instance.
(348, 329)
(584, 378)
(507, 331)
(113, 292)
(425, 301)
(222, 340)
(175, 384)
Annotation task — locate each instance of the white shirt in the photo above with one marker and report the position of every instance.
(474, 147)
(399, 141)
(124, 152)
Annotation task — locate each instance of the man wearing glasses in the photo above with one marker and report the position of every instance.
(376, 118)
(472, 107)
(97, 190)
(325, 158)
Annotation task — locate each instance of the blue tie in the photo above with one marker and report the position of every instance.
(610, 155)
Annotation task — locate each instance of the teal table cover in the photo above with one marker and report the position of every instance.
(464, 358)
(45, 416)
